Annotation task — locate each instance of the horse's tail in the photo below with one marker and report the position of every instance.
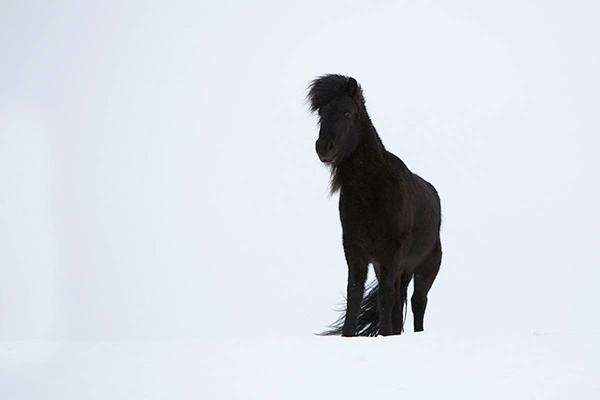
(368, 317)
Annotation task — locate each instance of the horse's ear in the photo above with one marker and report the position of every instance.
(351, 86)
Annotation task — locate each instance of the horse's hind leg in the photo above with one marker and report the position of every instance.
(423, 279)
(402, 281)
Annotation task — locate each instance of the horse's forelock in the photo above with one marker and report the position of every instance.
(328, 87)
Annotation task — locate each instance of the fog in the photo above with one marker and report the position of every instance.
(158, 177)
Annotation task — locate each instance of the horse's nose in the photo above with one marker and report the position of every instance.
(331, 147)
(325, 150)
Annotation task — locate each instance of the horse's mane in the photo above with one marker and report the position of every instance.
(328, 87)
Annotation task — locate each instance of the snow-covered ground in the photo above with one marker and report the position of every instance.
(420, 366)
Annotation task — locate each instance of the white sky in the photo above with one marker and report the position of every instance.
(158, 175)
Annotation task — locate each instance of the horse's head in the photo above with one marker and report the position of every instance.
(338, 100)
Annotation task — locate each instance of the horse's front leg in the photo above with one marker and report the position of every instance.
(357, 275)
(386, 276)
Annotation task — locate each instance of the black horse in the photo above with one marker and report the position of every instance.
(390, 217)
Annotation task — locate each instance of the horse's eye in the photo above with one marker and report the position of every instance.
(348, 114)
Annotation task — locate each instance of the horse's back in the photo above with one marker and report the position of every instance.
(424, 192)
(427, 197)
(426, 209)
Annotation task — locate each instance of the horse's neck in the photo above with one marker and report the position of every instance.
(366, 163)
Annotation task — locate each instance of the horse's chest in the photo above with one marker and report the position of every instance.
(366, 217)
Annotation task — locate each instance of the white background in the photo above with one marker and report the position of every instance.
(158, 178)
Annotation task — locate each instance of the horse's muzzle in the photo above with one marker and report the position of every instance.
(326, 153)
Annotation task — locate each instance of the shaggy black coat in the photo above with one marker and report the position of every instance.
(390, 216)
